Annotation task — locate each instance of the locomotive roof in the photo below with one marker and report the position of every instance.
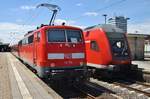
(106, 28)
(55, 27)
(61, 26)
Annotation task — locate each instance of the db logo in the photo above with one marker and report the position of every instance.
(68, 56)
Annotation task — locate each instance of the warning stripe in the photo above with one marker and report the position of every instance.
(63, 55)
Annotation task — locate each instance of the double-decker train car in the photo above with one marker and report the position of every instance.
(107, 48)
(54, 51)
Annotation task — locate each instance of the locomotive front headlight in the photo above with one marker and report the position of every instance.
(52, 64)
(82, 63)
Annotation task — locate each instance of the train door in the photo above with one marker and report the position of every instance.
(18, 48)
(35, 49)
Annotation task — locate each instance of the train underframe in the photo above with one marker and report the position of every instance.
(72, 74)
(113, 71)
(76, 73)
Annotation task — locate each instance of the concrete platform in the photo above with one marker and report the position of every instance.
(18, 82)
(143, 64)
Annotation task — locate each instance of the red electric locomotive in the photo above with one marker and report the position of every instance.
(51, 50)
(107, 48)
(54, 51)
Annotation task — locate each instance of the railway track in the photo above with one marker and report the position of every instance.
(146, 77)
(126, 90)
(142, 74)
(88, 96)
(138, 87)
(82, 90)
(94, 91)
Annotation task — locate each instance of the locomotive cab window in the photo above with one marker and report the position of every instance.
(30, 39)
(94, 46)
(74, 36)
(118, 44)
(60, 35)
(56, 36)
(20, 43)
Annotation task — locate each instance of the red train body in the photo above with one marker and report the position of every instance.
(53, 51)
(106, 46)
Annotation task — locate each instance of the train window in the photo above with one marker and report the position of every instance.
(26, 40)
(94, 46)
(38, 36)
(30, 39)
(20, 42)
(23, 41)
(56, 36)
(74, 36)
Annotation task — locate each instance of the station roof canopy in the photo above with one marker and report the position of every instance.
(4, 44)
(138, 35)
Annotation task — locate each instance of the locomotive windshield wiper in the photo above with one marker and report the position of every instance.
(125, 48)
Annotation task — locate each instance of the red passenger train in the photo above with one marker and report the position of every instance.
(54, 51)
(107, 48)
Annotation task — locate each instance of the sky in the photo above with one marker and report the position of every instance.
(19, 16)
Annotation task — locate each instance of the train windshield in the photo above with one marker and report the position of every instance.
(59, 35)
(56, 36)
(119, 44)
(74, 36)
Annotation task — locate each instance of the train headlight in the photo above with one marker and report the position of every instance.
(82, 63)
(52, 64)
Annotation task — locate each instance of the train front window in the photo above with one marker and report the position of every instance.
(56, 36)
(62, 35)
(118, 44)
(74, 36)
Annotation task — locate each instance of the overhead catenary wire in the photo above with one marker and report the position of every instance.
(103, 8)
(31, 17)
(27, 22)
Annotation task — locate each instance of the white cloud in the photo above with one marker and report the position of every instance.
(60, 21)
(12, 32)
(142, 28)
(90, 14)
(79, 4)
(67, 22)
(26, 7)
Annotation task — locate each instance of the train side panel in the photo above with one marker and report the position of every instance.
(52, 58)
(96, 48)
(106, 46)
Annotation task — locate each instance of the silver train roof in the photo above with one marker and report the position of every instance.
(106, 28)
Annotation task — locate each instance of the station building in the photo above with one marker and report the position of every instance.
(138, 43)
(4, 47)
